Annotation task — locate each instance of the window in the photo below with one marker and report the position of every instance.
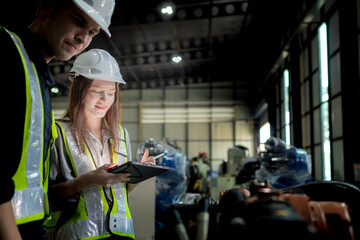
(158, 115)
(286, 106)
(324, 102)
(264, 132)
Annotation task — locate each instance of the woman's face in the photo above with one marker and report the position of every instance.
(99, 98)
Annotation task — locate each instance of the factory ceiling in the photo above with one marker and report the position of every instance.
(223, 40)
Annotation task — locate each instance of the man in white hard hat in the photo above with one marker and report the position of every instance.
(61, 30)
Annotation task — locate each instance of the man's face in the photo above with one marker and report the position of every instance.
(68, 32)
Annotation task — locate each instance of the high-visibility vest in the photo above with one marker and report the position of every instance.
(30, 202)
(95, 218)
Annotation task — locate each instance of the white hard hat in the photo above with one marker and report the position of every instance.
(96, 64)
(99, 10)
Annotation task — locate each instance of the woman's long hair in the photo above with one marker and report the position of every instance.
(74, 113)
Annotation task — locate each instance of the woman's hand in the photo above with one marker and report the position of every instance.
(99, 176)
(147, 159)
(144, 159)
(102, 177)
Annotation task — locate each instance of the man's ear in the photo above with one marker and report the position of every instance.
(45, 8)
(45, 11)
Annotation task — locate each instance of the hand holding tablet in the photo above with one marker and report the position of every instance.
(140, 171)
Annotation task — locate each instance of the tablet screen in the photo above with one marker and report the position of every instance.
(139, 171)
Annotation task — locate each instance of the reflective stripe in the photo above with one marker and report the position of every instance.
(97, 223)
(121, 222)
(28, 199)
(24, 203)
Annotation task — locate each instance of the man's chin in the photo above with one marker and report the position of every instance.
(65, 56)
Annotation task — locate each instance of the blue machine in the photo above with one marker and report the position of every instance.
(283, 165)
(170, 186)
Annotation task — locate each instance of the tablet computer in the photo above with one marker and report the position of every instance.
(139, 171)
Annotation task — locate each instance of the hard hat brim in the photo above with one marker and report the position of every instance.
(99, 77)
(93, 15)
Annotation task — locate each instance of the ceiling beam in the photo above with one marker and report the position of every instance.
(185, 12)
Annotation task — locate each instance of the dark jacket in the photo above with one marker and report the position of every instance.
(13, 88)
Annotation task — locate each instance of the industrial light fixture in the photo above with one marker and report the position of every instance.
(176, 59)
(168, 10)
(55, 90)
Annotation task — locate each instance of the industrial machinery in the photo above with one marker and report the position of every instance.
(199, 170)
(278, 202)
(170, 186)
(264, 213)
(236, 157)
(229, 170)
(279, 164)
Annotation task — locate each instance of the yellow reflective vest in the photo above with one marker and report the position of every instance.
(96, 216)
(30, 202)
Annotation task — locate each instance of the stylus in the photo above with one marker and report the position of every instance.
(158, 156)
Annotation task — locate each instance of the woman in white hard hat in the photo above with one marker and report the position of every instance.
(90, 140)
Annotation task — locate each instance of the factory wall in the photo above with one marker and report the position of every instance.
(200, 117)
